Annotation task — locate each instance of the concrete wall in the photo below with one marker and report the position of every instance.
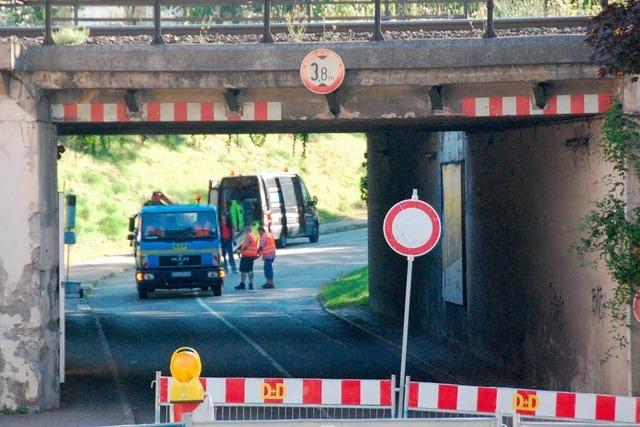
(630, 95)
(529, 305)
(28, 261)
(395, 165)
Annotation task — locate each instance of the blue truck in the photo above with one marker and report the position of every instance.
(176, 246)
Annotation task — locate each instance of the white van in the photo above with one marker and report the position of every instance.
(280, 202)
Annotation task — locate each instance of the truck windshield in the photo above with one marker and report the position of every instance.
(179, 226)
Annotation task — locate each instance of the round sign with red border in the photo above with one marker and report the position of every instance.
(322, 71)
(636, 307)
(412, 227)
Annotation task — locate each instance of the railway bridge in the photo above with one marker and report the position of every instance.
(500, 135)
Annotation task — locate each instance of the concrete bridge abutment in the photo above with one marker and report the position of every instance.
(631, 104)
(29, 332)
(504, 281)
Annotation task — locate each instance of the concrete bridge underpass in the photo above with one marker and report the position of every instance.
(501, 136)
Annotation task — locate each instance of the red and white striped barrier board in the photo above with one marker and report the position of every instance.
(165, 112)
(509, 401)
(501, 106)
(291, 391)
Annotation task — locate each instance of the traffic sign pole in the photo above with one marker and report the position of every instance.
(405, 337)
(405, 328)
(411, 228)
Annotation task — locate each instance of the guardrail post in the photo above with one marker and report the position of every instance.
(489, 33)
(47, 23)
(157, 38)
(377, 31)
(266, 35)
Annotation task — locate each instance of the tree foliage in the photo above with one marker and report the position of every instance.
(614, 35)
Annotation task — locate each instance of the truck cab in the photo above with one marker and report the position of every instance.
(176, 247)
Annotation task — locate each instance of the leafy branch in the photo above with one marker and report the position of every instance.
(614, 35)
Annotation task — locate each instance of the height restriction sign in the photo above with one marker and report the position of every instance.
(322, 71)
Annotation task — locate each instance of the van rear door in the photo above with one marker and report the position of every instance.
(292, 213)
(275, 205)
(213, 192)
(309, 212)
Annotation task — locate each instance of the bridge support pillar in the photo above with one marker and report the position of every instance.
(29, 329)
(630, 95)
(395, 165)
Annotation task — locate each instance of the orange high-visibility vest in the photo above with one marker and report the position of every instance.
(269, 247)
(249, 246)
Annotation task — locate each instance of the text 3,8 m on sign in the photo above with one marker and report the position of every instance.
(322, 71)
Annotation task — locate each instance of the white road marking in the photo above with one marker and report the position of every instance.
(244, 336)
(111, 364)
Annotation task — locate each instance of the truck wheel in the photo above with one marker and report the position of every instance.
(315, 235)
(204, 288)
(282, 241)
(143, 293)
(216, 288)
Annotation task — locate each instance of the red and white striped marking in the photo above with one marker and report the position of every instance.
(579, 406)
(312, 392)
(166, 112)
(501, 106)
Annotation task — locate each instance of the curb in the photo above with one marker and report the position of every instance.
(343, 228)
(439, 373)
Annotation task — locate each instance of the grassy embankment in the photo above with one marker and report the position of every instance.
(349, 290)
(113, 179)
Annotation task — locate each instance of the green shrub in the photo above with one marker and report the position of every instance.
(112, 227)
(91, 177)
(71, 36)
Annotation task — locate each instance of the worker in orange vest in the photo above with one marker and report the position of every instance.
(267, 250)
(248, 254)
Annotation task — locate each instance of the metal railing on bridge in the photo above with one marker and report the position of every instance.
(258, 16)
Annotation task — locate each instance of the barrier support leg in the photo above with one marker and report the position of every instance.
(394, 398)
(157, 398)
(405, 401)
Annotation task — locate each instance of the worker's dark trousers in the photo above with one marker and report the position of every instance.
(227, 254)
(268, 268)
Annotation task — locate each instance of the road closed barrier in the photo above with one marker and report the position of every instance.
(548, 405)
(286, 398)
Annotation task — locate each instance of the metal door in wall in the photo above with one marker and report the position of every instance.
(453, 269)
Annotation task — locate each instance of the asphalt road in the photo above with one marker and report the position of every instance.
(259, 333)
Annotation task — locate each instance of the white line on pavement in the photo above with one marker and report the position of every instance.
(111, 364)
(244, 336)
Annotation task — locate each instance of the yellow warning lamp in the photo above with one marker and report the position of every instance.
(198, 197)
(286, 169)
(185, 368)
(232, 173)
